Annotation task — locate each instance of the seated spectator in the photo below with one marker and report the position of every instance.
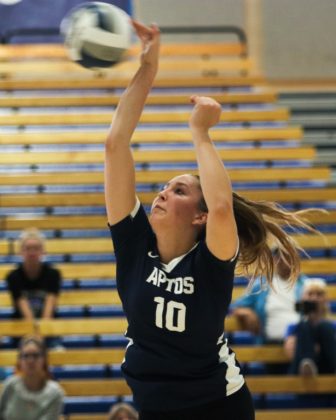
(34, 284)
(30, 394)
(122, 411)
(311, 343)
(267, 312)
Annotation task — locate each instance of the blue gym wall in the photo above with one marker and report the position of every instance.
(41, 14)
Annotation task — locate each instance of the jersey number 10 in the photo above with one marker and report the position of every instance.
(170, 315)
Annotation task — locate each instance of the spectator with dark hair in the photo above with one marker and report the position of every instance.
(311, 343)
(30, 394)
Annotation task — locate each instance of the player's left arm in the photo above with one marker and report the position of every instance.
(221, 231)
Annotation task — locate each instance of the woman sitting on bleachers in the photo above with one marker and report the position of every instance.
(31, 394)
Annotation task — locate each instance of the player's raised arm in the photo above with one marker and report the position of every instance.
(119, 166)
(221, 232)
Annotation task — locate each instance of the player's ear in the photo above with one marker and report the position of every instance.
(200, 218)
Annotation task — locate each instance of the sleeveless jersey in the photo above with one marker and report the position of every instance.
(177, 355)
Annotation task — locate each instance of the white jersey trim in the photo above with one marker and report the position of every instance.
(234, 378)
(173, 263)
(136, 207)
(237, 251)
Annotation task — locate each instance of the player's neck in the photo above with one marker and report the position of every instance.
(171, 247)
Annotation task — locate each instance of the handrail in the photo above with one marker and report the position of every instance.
(206, 29)
(227, 29)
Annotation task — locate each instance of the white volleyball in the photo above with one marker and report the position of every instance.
(96, 34)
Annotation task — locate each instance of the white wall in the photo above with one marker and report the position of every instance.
(294, 39)
(299, 38)
(190, 12)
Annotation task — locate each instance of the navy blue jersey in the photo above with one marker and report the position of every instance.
(176, 356)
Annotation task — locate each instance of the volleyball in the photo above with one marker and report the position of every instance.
(96, 34)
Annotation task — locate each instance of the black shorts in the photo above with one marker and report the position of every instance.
(238, 406)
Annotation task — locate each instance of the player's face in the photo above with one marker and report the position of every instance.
(177, 203)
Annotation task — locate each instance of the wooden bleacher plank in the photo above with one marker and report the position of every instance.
(264, 384)
(98, 245)
(103, 387)
(292, 195)
(20, 52)
(83, 298)
(75, 270)
(110, 297)
(112, 99)
(53, 222)
(97, 199)
(87, 178)
(281, 153)
(12, 70)
(146, 136)
(76, 298)
(323, 218)
(89, 326)
(326, 241)
(155, 117)
(74, 246)
(318, 265)
(294, 384)
(97, 221)
(82, 326)
(16, 328)
(94, 81)
(4, 247)
(107, 270)
(94, 356)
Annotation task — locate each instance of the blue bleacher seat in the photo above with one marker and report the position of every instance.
(6, 313)
(79, 341)
(80, 372)
(105, 311)
(88, 404)
(255, 368)
(70, 312)
(242, 338)
(112, 340)
(292, 401)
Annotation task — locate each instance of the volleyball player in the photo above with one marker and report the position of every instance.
(175, 270)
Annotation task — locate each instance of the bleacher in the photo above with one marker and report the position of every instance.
(53, 119)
